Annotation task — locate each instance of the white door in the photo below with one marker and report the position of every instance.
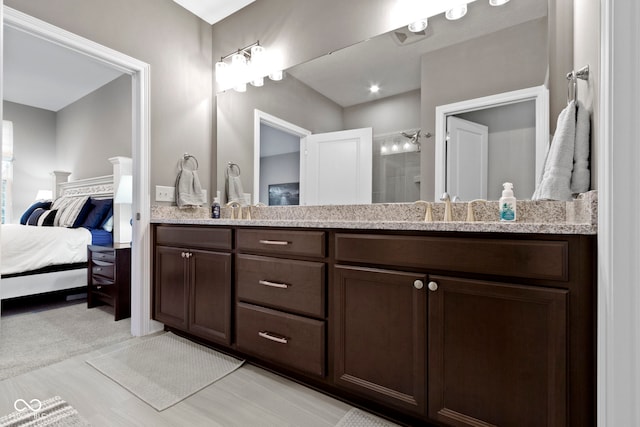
(467, 159)
(335, 168)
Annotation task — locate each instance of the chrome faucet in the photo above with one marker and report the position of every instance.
(233, 205)
(447, 207)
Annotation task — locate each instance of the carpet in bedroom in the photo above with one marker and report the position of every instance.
(31, 340)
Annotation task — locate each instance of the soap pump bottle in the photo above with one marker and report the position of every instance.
(507, 203)
(215, 208)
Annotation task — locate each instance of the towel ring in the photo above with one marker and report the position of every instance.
(185, 158)
(230, 169)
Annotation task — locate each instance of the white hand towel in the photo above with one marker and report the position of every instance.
(581, 176)
(235, 193)
(188, 189)
(556, 176)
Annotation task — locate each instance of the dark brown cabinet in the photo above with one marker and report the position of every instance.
(280, 308)
(109, 278)
(458, 329)
(192, 289)
(379, 325)
(497, 353)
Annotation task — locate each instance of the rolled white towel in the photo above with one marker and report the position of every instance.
(581, 175)
(556, 176)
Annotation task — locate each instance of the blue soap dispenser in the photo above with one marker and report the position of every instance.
(507, 203)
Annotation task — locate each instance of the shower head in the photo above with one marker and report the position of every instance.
(412, 137)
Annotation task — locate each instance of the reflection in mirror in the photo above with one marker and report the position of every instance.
(491, 50)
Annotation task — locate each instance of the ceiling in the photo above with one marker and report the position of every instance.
(345, 76)
(213, 11)
(45, 75)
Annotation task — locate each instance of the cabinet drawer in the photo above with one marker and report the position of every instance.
(103, 269)
(296, 286)
(286, 242)
(193, 237)
(102, 289)
(536, 259)
(285, 339)
(106, 256)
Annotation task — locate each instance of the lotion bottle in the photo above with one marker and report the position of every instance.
(507, 203)
(215, 208)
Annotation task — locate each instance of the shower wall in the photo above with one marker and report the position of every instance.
(396, 175)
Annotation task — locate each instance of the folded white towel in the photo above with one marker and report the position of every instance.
(556, 176)
(581, 176)
(188, 188)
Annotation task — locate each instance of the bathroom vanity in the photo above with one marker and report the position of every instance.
(457, 328)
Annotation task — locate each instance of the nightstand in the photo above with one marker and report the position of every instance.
(109, 278)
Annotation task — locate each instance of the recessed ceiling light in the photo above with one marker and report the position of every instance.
(498, 2)
(456, 12)
(374, 89)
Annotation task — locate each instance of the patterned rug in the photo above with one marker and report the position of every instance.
(357, 418)
(35, 413)
(166, 369)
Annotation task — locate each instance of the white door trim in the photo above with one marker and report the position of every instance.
(618, 355)
(141, 323)
(283, 125)
(539, 94)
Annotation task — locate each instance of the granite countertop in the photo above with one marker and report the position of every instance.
(536, 217)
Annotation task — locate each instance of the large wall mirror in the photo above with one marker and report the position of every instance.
(272, 132)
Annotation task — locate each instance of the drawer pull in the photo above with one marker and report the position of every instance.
(273, 285)
(274, 242)
(270, 337)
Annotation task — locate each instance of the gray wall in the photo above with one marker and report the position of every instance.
(178, 47)
(34, 148)
(93, 129)
(587, 52)
(391, 114)
(504, 61)
(288, 100)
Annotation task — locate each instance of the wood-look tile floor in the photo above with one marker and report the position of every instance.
(249, 397)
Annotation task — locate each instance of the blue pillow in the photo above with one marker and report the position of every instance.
(42, 205)
(97, 213)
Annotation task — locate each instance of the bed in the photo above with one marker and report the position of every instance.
(44, 256)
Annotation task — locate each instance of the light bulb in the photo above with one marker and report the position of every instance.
(276, 75)
(456, 12)
(383, 149)
(416, 27)
(498, 2)
(394, 147)
(406, 146)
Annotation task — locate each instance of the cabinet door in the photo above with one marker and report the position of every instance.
(171, 290)
(210, 295)
(497, 354)
(380, 335)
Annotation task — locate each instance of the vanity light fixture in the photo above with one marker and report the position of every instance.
(456, 12)
(251, 64)
(498, 2)
(417, 26)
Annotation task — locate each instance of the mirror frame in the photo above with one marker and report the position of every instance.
(539, 94)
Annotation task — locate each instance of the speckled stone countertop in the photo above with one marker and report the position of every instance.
(542, 217)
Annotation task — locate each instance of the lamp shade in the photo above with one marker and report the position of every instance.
(124, 193)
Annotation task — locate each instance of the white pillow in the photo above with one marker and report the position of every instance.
(108, 225)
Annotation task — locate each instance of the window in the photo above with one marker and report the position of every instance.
(7, 170)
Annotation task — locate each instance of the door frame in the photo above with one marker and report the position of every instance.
(539, 94)
(141, 323)
(260, 117)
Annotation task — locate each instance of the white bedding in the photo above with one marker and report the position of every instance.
(26, 248)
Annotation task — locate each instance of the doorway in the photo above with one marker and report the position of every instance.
(141, 323)
(535, 100)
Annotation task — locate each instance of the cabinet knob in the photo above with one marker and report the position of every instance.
(418, 284)
(183, 255)
(433, 286)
